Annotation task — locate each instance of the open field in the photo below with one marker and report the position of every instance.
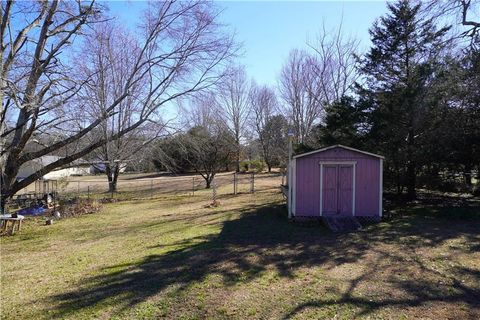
(171, 257)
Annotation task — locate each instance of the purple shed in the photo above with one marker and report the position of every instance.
(336, 181)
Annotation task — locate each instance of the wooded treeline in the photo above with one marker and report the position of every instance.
(417, 100)
(78, 85)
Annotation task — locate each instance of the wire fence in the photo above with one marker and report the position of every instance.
(145, 187)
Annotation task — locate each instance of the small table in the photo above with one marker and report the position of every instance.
(6, 218)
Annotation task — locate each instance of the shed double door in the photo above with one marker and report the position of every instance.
(337, 189)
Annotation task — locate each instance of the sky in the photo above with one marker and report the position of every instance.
(268, 30)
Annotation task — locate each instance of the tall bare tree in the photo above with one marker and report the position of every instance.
(335, 63)
(232, 99)
(110, 56)
(200, 110)
(206, 146)
(264, 106)
(301, 90)
(180, 49)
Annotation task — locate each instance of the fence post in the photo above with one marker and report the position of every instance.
(214, 191)
(252, 187)
(235, 183)
(78, 187)
(88, 190)
(151, 189)
(193, 186)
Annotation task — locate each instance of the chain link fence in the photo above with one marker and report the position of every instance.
(134, 186)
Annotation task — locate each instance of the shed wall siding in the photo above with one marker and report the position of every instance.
(367, 186)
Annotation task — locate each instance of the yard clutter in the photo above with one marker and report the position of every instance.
(35, 210)
(11, 223)
(15, 221)
(39, 207)
(78, 207)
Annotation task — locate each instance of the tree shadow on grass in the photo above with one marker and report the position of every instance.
(262, 238)
(417, 292)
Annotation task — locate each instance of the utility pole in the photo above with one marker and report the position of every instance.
(290, 135)
(290, 172)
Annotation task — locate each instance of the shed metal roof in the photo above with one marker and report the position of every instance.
(338, 146)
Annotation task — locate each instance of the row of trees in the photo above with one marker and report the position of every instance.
(230, 122)
(256, 118)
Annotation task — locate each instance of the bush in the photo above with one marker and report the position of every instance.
(252, 166)
(257, 165)
(244, 166)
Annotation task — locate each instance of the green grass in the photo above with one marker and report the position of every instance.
(171, 257)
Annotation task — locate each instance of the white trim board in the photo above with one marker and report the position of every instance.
(321, 189)
(322, 162)
(380, 186)
(338, 146)
(354, 191)
(289, 183)
(294, 187)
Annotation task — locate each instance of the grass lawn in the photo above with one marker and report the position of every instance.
(171, 257)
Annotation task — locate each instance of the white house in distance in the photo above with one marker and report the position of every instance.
(76, 168)
(99, 167)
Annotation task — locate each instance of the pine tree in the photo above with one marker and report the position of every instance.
(460, 131)
(398, 71)
(342, 124)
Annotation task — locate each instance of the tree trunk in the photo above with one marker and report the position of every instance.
(116, 173)
(112, 176)
(411, 166)
(411, 181)
(237, 169)
(398, 180)
(269, 167)
(208, 181)
(7, 182)
(467, 175)
(3, 202)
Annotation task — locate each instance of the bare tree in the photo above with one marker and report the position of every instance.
(180, 49)
(200, 110)
(206, 146)
(310, 81)
(464, 12)
(335, 63)
(207, 150)
(301, 90)
(263, 105)
(232, 99)
(110, 55)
